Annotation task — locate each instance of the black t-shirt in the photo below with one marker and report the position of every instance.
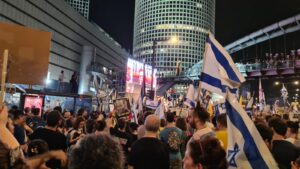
(124, 139)
(134, 137)
(284, 153)
(55, 141)
(19, 133)
(149, 153)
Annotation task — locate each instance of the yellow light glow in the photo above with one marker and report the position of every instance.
(174, 40)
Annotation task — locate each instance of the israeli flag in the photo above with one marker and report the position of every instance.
(189, 99)
(246, 148)
(219, 71)
(169, 97)
(151, 104)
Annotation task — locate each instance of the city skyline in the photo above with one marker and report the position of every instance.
(234, 18)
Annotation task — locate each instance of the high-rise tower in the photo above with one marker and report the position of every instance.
(82, 6)
(156, 21)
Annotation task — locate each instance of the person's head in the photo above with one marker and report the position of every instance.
(67, 115)
(292, 129)
(35, 111)
(141, 120)
(90, 126)
(37, 147)
(79, 123)
(10, 124)
(62, 72)
(181, 123)
(278, 126)
(152, 123)
(206, 154)
(198, 116)
(82, 112)
(121, 124)
(133, 127)
(53, 118)
(27, 111)
(285, 117)
(170, 116)
(163, 122)
(222, 121)
(100, 125)
(266, 133)
(58, 108)
(19, 117)
(96, 151)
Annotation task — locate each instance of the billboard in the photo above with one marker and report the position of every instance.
(148, 76)
(34, 102)
(66, 103)
(28, 50)
(134, 76)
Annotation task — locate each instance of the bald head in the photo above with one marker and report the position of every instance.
(152, 123)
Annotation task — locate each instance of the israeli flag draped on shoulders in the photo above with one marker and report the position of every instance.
(218, 70)
(246, 149)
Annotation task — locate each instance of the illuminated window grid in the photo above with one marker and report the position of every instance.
(189, 20)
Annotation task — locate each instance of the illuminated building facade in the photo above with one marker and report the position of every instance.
(160, 20)
(82, 6)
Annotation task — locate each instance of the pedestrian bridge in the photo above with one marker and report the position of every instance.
(253, 70)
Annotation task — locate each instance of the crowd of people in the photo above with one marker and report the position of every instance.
(274, 60)
(96, 140)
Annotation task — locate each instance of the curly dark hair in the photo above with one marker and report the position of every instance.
(77, 122)
(96, 151)
(201, 113)
(181, 123)
(209, 153)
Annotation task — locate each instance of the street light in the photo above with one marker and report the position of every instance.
(296, 82)
(173, 40)
(276, 83)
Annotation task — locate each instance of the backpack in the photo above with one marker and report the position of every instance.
(173, 141)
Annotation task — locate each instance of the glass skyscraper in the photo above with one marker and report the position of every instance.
(82, 6)
(156, 21)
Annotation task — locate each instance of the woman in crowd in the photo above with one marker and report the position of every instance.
(181, 124)
(78, 130)
(206, 154)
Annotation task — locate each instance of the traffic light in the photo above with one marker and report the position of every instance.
(150, 94)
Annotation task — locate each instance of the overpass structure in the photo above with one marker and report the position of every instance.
(286, 68)
(285, 26)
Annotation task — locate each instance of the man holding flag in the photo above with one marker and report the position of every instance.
(246, 148)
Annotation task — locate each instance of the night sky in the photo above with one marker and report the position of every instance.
(234, 19)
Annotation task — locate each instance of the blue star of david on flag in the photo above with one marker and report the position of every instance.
(232, 154)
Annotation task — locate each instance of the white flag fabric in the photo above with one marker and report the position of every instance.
(219, 71)
(246, 148)
(152, 104)
(160, 111)
(190, 96)
(261, 97)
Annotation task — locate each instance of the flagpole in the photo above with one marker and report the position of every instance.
(3, 78)
(205, 51)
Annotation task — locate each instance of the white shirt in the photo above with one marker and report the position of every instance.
(61, 77)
